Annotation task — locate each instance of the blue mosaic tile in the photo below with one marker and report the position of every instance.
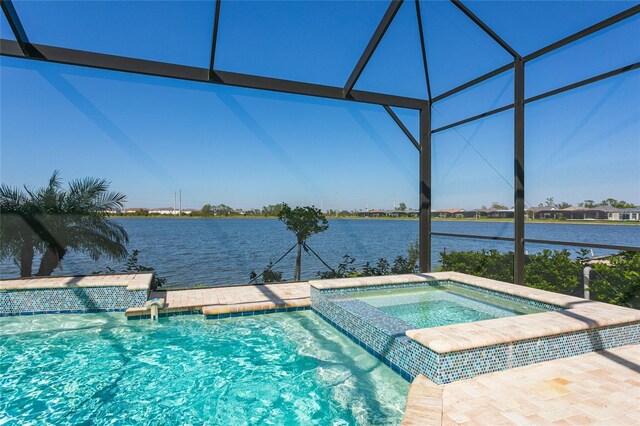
(69, 300)
(258, 312)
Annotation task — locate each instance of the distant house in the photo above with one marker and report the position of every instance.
(582, 213)
(570, 213)
(402, 213)
(135, 210)
(624, 214)
(448, 213)
(539, 212)
(163, 211)
(586, 213)
(495, 213)
(388, 213)
(371, 213)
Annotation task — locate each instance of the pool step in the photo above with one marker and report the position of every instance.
(229, 301)
(255, 308)
(224, 311)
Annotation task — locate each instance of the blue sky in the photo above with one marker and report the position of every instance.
(246, 148)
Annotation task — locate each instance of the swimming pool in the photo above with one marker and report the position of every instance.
(443, 303)
(285, 368)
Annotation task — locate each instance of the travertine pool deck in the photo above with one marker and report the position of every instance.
(232, 299)
(578, 314)
(599, 388)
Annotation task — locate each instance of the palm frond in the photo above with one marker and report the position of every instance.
(53, 218)
(55, 181)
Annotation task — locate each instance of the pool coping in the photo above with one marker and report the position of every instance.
(137, 281)
(578, 314)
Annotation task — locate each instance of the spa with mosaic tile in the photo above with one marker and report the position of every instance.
(558, 326)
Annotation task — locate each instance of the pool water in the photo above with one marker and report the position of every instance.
(443, 304)
(281, 369)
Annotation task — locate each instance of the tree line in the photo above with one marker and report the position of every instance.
(589, 204)
(222, 210)
(273, 210)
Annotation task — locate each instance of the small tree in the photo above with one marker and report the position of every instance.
(402, 207)
(268, 275)
(303, 222)
(588, 204)
(206, 210)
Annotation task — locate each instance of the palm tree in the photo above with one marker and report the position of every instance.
(17, 239)
(52, 221)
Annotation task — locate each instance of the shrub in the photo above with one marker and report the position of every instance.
(485, 263)
(617, 281)
(268, 275)
(132, 266)
(553, 270)
(344, 270)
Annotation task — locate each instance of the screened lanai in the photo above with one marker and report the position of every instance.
(445, 74)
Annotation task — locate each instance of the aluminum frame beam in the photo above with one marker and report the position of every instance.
(424, 228)
(484, 27)
(473, 118)
(402, 127)
(518, 181)
(423, 50)
(553, 92)
(214, 41)
(579, 244)
(545, 50)
(584, 33)
(471, 236)
(183, 72)
(386, 20)
(584, 82)
(473, 82)
(16, 27)
(538, 241)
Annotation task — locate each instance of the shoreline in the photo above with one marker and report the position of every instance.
(543, 221)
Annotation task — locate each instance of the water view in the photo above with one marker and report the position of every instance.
(224, 251)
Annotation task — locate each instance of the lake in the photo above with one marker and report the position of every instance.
(225, 251)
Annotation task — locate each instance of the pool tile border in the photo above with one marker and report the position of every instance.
(418, 284)
(256, 312)
(165, 314)
(35, 301)
(66, 311)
